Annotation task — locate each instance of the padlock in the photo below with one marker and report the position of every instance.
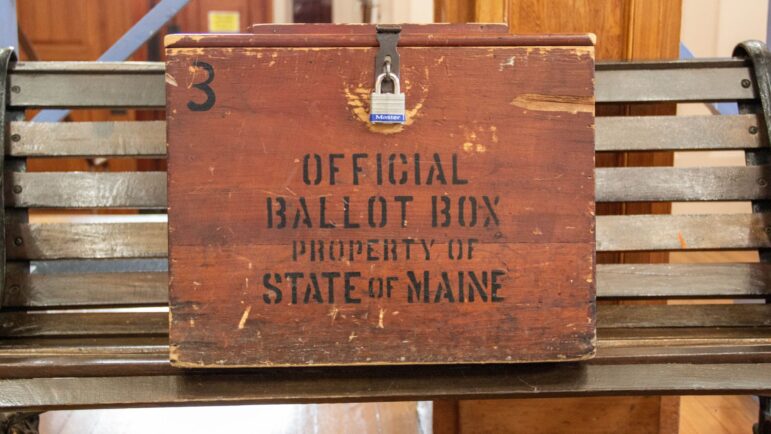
(387, 108)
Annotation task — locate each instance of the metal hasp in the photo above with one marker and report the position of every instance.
(388, 38)
(6, 56)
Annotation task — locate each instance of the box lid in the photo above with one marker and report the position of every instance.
(363, 35)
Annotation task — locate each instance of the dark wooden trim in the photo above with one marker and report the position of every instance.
(385, 384)
(102, 324)
(367, 29)
(356, 40)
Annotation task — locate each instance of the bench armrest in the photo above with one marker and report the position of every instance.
(6, 57)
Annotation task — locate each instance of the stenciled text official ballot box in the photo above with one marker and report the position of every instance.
(350, 195)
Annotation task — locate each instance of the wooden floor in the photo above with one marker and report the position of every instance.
(699, 415)
(717, 414)
(379, 418)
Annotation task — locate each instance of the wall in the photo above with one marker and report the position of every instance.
(711, 28)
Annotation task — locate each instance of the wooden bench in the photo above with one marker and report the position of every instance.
(71, 335)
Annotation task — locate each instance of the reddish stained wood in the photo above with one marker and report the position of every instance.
(366, 29)
(356, 40)
(518, 121)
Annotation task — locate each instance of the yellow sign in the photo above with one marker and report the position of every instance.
(224, 22)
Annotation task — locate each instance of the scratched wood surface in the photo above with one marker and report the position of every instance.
(498, 135)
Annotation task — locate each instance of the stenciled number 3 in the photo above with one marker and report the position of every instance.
(205, 88)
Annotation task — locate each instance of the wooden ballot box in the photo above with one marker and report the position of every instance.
(349, 195)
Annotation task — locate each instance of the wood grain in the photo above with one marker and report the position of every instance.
(86, 190)
(73, 139)
(89, 89)
(655, 316)
(678, 133)
(84, 240)
(681, 85)
(461, 29)
(392, 383)
(55, 354)
(407, 38)
(682, 232)
(18, 324)
(85, 289)
(595, 415)
(665, 184)
(534, 204)
(683, 280)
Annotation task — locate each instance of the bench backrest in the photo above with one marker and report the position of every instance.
(72, 272)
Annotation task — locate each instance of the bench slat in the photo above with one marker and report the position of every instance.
(82, 84)
(383, 384)
(104, 346)
(676, 133)
(98, 240)
(88, 90)
(85, 364)
(709, 353)
(107, 346)
(80, 67)
(22, 324)
(682, 232)
(638, 184)
(683, 280)
(121, 356)
(148, 138)
(27, 290)
(687, 335)
(148, 189)
(86, 190)
(77, 139)
(660, 316)
(614, 233)
(673, 85)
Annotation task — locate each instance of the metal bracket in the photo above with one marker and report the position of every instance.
(764, 418)
(388, 38)
(758, 54)
(6, 57)
(19, 423)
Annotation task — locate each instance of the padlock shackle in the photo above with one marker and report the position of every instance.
(379, 82)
